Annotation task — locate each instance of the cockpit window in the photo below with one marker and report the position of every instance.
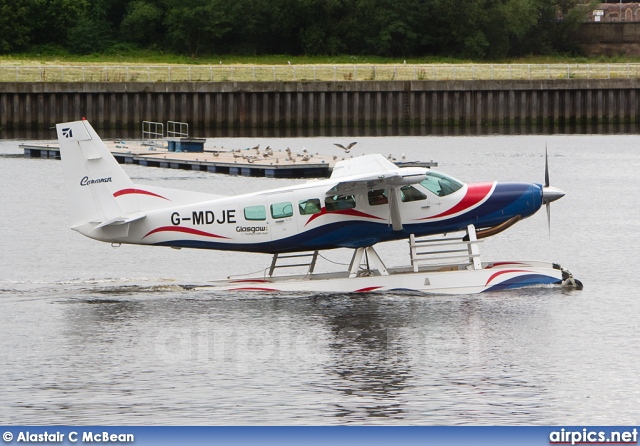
(377, 197)
(440, 184)
(339, 203)
(410, 193)
(309, 207)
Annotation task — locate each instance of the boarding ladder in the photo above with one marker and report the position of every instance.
(446, 250)
(311, 264)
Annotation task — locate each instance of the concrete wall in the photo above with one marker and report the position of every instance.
(213, 108)
(610, 38)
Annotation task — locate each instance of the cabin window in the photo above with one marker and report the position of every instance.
(282, 210)
(440, 184)
(377, 197)
(339, 203)
(309, 207)
(410, 193)
(255, 213)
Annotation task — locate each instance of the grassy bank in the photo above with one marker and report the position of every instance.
(125, 55)
(55, 65)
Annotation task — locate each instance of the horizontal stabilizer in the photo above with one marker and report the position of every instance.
(122, 220)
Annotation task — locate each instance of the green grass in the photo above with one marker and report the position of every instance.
(123, 54)
(124, 63)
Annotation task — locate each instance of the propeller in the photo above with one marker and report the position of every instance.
(549, 193)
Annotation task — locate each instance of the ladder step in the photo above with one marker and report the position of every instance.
(441, 252)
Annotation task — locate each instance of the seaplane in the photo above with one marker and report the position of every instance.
(366, 201)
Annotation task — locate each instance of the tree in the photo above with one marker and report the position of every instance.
(194, 25)
(92, 32)
(51, 20)
(14, 26)
(142, 23)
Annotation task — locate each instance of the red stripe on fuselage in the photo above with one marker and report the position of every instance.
(137, 191)
(350, 212)
(476, 192)
(183, 230)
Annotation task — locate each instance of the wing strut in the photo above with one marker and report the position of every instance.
(394, 209)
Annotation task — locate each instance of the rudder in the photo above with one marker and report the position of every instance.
(92, 174)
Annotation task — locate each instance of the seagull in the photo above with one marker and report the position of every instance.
(256, 148)
(346, 149)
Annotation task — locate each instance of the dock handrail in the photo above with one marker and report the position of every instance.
(295, 72)
(177, 129)
(152, 133)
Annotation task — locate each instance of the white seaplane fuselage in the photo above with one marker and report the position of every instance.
(367, 200)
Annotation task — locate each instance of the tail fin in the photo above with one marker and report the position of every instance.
(92, 175)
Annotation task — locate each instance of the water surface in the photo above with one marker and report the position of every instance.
(92, 334)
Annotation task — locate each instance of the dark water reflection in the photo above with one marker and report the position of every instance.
(573, 127)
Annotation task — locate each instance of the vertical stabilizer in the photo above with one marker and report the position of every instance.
(92, 175)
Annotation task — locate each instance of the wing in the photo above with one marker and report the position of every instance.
(371, 172)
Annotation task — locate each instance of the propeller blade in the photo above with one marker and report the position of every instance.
(546, 166)
(548, 206)
(549, 193)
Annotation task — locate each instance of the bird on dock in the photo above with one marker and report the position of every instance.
(256, 148)
(346, 149)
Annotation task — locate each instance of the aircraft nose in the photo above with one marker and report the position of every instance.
(550, 193)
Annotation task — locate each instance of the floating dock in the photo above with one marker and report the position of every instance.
(253, 162)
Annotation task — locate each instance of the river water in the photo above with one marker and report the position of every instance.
(92, 334)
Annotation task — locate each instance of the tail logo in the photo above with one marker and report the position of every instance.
(85, 181)
(67, 133)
